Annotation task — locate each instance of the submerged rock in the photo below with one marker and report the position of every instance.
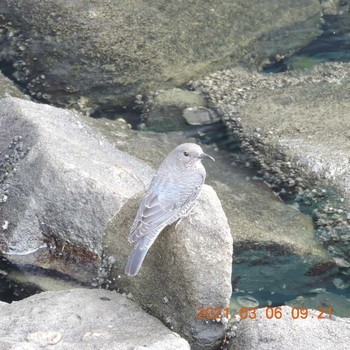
(329, 302)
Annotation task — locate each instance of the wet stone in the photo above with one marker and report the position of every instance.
(247, 301)
(200, 116)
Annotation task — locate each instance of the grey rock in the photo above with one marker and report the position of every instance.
(287, 333)
(189, 266)
(105, 53)
(82, 319)
(313, 143)
(256, 215)
(63, 181)
(200, 116)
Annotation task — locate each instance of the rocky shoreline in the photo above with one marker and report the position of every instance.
(294, 126)
(70, 184)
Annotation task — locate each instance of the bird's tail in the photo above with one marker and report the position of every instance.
(136, 258)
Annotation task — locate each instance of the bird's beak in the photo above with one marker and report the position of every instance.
(206, 156)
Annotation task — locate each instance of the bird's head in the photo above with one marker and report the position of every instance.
(189, 155)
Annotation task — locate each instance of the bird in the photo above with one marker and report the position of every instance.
(170, 197)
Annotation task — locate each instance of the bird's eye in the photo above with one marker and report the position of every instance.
(186, 154)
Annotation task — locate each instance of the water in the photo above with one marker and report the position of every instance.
(19, 281)
(280, 279)
(332, 45)
(10, 290)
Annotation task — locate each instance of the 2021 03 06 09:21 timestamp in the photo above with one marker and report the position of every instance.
(210, 313)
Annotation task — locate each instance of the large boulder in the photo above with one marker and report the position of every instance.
(82, 319)
(102, 54)
(60, 182)
(188, 267)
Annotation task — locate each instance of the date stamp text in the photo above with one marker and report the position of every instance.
(211, 313)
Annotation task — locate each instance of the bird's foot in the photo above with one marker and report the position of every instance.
(177, 223)
(187, 215)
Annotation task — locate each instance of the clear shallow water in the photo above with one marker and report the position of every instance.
(20, 281)
(272, 280)
(11, 290)
(332, 45)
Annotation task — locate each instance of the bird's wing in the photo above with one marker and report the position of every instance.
(164, 200)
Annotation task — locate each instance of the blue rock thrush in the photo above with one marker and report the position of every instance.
(170, 197)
